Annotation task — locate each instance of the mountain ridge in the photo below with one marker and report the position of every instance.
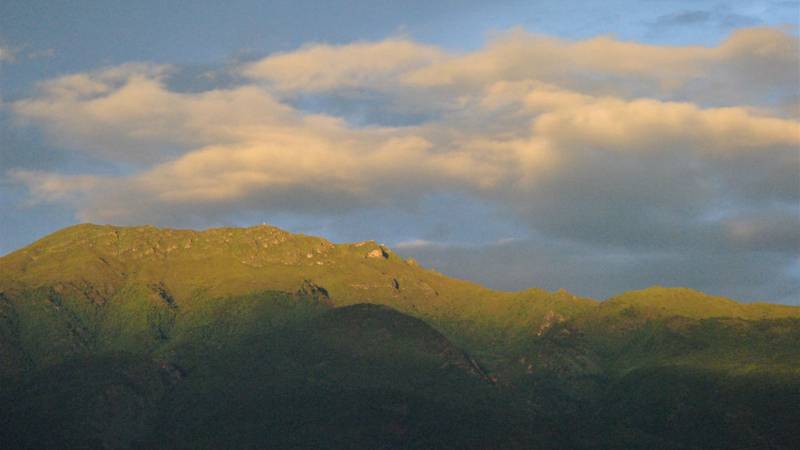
(159, 330)
(159, 243)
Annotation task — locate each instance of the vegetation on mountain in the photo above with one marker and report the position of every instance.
(114, 337)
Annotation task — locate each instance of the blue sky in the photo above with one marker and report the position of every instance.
(449, 130)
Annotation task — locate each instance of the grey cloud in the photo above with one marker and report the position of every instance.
(602, 272)
(721, 17)
(666, 201)
(683, 18)
(733, 20)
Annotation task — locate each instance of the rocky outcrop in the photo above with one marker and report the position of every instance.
(379, 252)
(313, 291)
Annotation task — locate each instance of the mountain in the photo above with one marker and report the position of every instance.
(131, 337)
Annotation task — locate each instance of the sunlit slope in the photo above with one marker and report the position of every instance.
(91, 288)
(671, 327)
(182, 264)
(664, 302)
(96, 276)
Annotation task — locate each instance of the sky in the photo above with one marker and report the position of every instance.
(593, 146)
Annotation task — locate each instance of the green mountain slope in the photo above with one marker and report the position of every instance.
(94, 273)
(256, 337)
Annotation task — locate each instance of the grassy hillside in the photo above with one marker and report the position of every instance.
(99, 274)
(256, 337)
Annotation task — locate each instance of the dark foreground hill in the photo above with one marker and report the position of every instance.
(141, 337)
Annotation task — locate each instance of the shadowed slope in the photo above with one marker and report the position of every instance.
(255, 337)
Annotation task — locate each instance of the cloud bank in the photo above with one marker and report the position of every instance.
(598, 143)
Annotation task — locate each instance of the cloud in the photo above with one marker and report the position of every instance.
(729, 73)
(417, 244)
(360, 65)
(601, 145)
(7, 54)
(646, 125)
(601, 272)
(42, 54)
(50, 187)
(556, 170)
(721, 17)
(11, 54)
(684, 18)
(126, 113)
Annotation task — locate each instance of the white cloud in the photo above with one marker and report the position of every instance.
(753, 65)
(126, 113)
(415, 243)
(51, 187)
(360, 65)
(589, 141)
(42, 54)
